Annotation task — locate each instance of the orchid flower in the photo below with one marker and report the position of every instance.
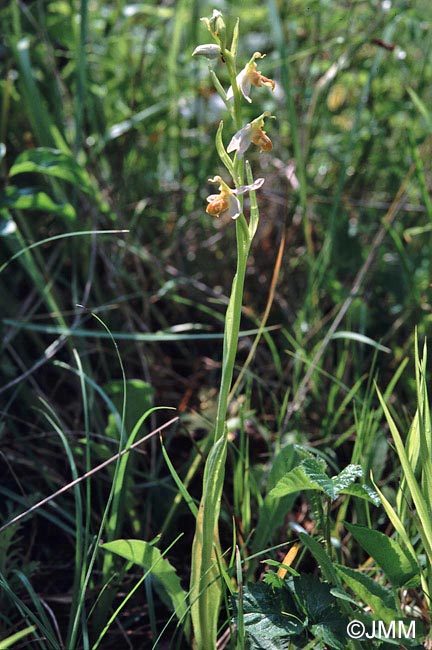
(251, 76)
(226, 202)
(252, 132)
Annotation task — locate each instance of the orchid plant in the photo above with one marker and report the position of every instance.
(207, 562)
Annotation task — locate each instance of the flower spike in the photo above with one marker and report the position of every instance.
(226, 202)
(250, 76)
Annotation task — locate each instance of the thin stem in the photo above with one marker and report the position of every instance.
(232, 325)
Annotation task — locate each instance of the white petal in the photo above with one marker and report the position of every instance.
(244, 146)
(240, 141)
(212, 198)
(234, 209)
(240, 83)
(245, 86)
(248, 188)
(235, 142)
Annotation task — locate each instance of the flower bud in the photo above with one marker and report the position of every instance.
(209, 50)
(216, 27)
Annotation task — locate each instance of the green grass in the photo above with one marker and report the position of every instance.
(107, 129)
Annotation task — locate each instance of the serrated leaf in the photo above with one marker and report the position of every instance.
(32, 199)
(151, 559)
(347, 477)
(295, 481)
(397, 563)
(271, 578)
(363, 492)
(326, 622)
(370, 592)
(310, 475)
(314, 469)
(340, 594)
(327, 635)
(313, 594)
(267, 620)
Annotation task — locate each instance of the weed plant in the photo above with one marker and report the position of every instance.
(114, 291)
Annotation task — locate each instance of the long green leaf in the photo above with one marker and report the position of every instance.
(370, 592)
(397, 564)
(425, 528)
(151, 559)
(32, 199)
(206, 587)
(55, 163)
(14, 638)
(321, 557)
(182, 488)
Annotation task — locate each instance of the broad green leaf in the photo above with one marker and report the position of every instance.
(270, 617)
(346, 478)
(32, 199)
(314, 596)
(295, 481)
(340, 594)
(331, 486)
(310, 475)
(151, 559)
(370, 592)
(362, 492)
(274, 509)
(325, 633)
(53, 162)
(397, 564)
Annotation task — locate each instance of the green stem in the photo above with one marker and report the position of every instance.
(232, 324)
(236, 113)
(206, 580)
